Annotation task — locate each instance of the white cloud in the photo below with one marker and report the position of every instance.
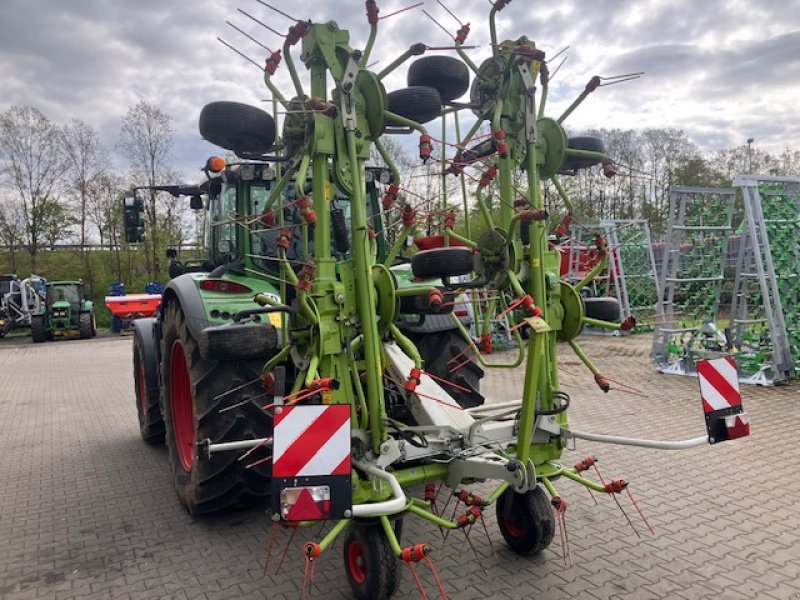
(720, 70)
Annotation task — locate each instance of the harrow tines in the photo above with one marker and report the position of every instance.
(280, 12)
(240, 53)
(402, 10)
(620, 78)
(449, 12)
(264, 25)
(248, 36)
(442, 27)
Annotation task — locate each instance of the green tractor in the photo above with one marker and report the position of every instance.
(67, 312)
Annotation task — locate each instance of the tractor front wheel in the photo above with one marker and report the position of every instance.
(526, 520)
(370, 565)
(38, 330)
(85, 325)
(151, 423)
(193, 392)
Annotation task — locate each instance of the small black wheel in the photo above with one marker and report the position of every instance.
(238, 127)
(526, 520)
(603, 309)
(145, 375)
(448, 75)
(442, 262)
(85, 325)
(38, 332)
(589, 143)
(370, 565)
(420, 103)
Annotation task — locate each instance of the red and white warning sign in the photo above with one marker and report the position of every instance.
(311, 462)
(722, 399)
(311, 440)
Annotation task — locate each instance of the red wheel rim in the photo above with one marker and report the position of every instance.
(142, 389)
(512, 528)
(181, 406)
(355, 562)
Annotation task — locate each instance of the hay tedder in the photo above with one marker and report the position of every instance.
(307, 360)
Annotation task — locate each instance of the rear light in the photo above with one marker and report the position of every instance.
(307, 503)
(225, 287)
(461, 313)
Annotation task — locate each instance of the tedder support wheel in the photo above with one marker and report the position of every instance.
(151, 422)
(585, 142)
(85, 325)
(38, 332)
(420, 103)
(242, 128)
(603, 309)
(526, 520)
(444, 350)
(370, 565)
(193, 391)
(442, 262)
(447, 75)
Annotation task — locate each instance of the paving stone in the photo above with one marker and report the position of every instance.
(88, 511)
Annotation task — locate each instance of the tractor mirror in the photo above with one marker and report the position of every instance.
(196, 203)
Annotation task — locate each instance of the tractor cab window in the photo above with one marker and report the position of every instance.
(61, 293)
(222, 215)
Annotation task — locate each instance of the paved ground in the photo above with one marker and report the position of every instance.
(88, 511)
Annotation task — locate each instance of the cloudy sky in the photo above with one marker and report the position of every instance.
(721, 70)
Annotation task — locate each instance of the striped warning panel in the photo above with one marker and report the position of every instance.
(311, 441)
(719, 384)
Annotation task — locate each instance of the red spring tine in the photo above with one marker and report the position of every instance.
(639, 510)
(286, 550)
(270, 544)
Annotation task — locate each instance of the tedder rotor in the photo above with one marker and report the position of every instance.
(357, 427)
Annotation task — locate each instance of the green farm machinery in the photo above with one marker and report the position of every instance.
(65, 312)
(314, 359)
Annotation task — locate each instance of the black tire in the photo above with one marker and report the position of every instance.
(442, 262)
(444, 350)
(589, 143)
(196, 388)
(447, 75)
(370, 565)
(85, 325)
(420, 104)
(526, 520)
(604, 309)
(38, 331)
(239, 127)
(145, 374)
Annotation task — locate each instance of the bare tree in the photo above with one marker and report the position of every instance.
(11, 230)
(88, 161)
(34, 165)
(146, 140)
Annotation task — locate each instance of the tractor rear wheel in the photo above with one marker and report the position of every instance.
(193, 392)
(151, 422)
(85, 325)
(526, 520)
(38, 332)
(370, 565)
